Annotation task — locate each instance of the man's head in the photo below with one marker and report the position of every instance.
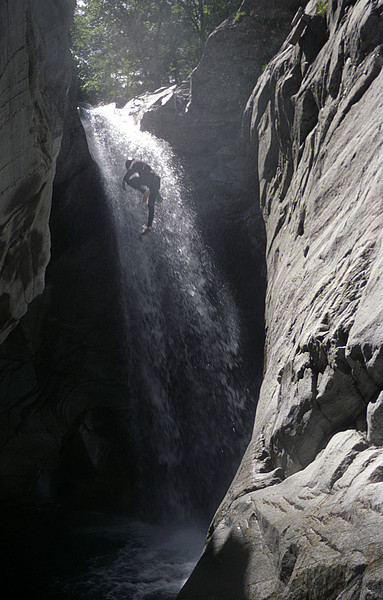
(128, 162)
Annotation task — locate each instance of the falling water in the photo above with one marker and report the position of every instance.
(188, 411)
(187, 405)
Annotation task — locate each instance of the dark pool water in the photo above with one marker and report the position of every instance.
(62, 556)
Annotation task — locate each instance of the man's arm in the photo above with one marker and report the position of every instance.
(134, 181)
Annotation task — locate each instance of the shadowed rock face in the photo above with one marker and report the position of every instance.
(306, 502)
(35, 79)
(208, 132)
(62, 382)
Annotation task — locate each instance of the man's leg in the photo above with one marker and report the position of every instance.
(151, 202)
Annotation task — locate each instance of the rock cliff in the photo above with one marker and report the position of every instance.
(202, 117)
(303, 517)
(34, 85)
(61, 365)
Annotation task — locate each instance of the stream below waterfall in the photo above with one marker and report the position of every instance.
(189, 411)
(56, 554)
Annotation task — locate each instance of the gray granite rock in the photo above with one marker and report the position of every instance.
(304, 508)
(315, 535)
(321, 194)
(35, 79)
(202, 118)
(56, 391)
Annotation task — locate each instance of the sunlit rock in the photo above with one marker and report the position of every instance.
(315, 535)
(314, 126)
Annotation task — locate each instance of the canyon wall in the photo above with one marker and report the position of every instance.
(202, 118)
(34, 85)
(303, 517)
(62, 384)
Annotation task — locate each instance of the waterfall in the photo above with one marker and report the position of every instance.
(188, 410)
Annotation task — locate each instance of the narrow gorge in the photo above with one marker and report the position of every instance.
(228, 368)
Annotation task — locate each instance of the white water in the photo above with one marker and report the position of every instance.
(182, 334)
(188, 410)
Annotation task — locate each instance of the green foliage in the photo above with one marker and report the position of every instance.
(124, 47)
(238, 17)
(322, 8)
